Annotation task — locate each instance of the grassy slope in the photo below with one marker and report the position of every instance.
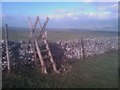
(95, 72)
(100, 71)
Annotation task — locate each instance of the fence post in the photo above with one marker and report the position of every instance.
(82, 49)
(7, 49)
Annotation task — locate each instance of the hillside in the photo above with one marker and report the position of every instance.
(95, 72)
(16, 34)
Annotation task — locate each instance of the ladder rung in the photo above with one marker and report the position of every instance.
(44, 38)
(44, 50)
(43, 44)
(47, 57)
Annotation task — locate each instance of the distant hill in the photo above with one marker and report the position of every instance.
(58, 34)
(61, 29)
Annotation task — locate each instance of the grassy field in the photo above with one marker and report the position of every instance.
(94, 72)
(24, 34)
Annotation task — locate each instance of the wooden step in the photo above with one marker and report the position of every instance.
(47, 57)
(44, 38)
(43, 44)
(44, 50)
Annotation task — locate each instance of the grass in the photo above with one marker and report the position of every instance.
(16, 35)
(100, 71)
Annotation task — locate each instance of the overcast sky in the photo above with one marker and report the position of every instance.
(85, 15)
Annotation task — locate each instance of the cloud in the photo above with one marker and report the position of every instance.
(76, 16)
(102, 11)
(100, 15)
(109, 10)
(103, 18)
(84, 21)
(109, 6)
(61, 11)
(62, 14)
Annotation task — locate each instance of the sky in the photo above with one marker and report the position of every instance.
(70, 15)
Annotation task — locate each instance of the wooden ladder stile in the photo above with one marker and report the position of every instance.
(42, 38)
(43, 68)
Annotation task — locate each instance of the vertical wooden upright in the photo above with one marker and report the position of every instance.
(7, 48)
(82, 49)
(32, 40)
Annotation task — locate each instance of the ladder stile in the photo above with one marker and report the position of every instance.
(40, 52)
(44, 36)
(37, 47)
(51, 59)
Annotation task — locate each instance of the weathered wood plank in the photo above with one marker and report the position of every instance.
(42, 28)
(7, 48)
(33, 44)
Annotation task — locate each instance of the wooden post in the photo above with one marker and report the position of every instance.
(33, 45)
(7, 49)
(82, 49)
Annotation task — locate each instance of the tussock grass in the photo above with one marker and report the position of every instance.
(100, 71)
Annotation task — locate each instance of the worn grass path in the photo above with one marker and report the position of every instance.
(100, 71)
